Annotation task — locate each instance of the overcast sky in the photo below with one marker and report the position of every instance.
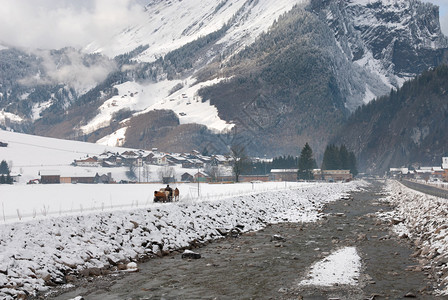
(59, 23)
(53, 24)
(443, 12)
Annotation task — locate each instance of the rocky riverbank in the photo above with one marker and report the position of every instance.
(422, 219)
(297, 260)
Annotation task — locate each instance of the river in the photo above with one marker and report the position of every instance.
(254, 266)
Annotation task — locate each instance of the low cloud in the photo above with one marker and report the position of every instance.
(54, 24)
(71, 67)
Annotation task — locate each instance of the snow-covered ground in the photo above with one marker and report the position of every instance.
(341, 267)
(36, 253)
(423, 219)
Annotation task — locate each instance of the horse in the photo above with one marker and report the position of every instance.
(176, 194)
(160, 196)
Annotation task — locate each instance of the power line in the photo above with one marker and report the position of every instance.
(51, 148)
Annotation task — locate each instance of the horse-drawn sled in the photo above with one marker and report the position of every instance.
(166, 195)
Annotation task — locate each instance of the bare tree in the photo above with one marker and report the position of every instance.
(146, 172)
(131, 172)
(213, 171)
(166, 173)
(239, 160)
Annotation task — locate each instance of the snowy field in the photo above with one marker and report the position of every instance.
(423, 219)
(28, 202)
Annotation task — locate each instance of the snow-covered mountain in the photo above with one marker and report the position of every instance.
(172, 24)
(274, 76)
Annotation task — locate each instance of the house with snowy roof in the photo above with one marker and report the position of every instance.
(445, 163)
(88, 162)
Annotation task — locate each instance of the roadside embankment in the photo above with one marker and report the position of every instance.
(423, 219)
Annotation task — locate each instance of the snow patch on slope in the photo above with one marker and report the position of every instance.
(115, 139)
(185, 103)
(9, 116)
(40, 107)
(189, 107)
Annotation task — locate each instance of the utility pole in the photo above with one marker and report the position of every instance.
(198, 182)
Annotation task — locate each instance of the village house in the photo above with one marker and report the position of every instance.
(220, 160)
(254, 178)
(202, 177)
(193, 163)
(49, 176)
(445, 163)
(187, 177)
(105, 178)
(159, 159)
(88, 162)
(130, 158)
(398, 172)
(147, 158)
(337, 175)
(283, 175)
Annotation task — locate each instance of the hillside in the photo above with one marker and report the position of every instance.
(407, 127)
(271, 77)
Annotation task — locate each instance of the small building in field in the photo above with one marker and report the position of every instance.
(202, 177)
(337, 175)
(187, 177)
(254, 178)
(78, 179)
(50, 176)
(283, 174)
(445, 163)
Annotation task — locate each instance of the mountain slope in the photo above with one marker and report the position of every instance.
(271, 76)
(405, 128)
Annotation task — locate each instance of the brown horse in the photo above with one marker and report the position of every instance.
(164, 196)
(176, 194)
(160, 196)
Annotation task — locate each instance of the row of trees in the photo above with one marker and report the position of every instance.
(339, 158)
(335, 158)
(5, 173)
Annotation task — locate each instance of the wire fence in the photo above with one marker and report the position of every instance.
(192, 196)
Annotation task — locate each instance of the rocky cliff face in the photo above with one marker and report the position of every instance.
(392, 40)
(405, 128)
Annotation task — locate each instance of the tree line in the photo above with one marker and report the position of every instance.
(5, 173)
(335, 158)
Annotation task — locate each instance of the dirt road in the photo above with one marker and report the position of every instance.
(254, 266)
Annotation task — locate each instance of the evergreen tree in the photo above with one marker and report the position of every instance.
(306, 163)
(339, 158)
(2, 179)
(344, 162)
(331, 160)
(352, 164)
(4, 168)
(9, 179)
